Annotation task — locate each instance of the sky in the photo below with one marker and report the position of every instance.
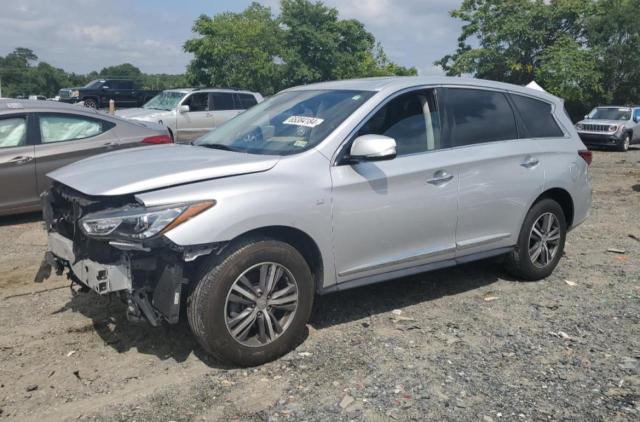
(84, 35)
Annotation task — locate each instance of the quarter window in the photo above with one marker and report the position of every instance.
(222, 101)
(13, 132)
(246, 101)
(411, 119)
(536, 117)
(197, 102)
(69, 128)
(479, 116)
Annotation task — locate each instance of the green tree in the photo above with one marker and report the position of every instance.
(613, 30)
(584, 51)
(237, 50)
(306, 43)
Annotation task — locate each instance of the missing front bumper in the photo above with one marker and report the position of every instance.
(101, 278)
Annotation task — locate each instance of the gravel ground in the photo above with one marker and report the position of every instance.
(467, 343)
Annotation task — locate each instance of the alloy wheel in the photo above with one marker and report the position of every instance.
(261, 304)
(544, 240)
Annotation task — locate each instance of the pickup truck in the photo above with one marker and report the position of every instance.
(97, 93)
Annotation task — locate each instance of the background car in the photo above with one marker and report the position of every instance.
(37, 137)
(191, 112)
(96, 94)
(612, 126)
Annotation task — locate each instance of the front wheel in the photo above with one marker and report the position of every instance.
(253, 306)
(540, 243)
(624, 145)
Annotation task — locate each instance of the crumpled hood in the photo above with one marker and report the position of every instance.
(149, 168)
(143, 114)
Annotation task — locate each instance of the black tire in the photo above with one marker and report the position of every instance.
(90, 102)
(519, 262)
(207, 301)
(623, 146)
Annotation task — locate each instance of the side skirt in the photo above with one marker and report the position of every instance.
(378, 278)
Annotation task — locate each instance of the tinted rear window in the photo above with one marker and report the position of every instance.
(222, 101)
(478, 116)
(536, 117)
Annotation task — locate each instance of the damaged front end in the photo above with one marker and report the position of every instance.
(114, 245)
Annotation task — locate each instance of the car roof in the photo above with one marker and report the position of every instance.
(396, 83)
(11, 104)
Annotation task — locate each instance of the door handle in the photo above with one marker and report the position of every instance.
(21, 159)
(440, 177)
(530, 162)
(109, 144)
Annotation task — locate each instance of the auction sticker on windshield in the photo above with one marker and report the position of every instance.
(303, 121)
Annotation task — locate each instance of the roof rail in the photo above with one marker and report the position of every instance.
(231, 88)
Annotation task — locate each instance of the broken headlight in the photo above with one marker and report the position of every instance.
(139, 223)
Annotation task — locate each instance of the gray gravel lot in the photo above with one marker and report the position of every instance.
(467, 343)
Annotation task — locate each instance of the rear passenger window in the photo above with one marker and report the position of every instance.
(536, 118)
(478, 116)
(246, 101)
(222, 101)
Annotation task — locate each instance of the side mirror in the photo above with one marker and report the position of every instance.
(586, 117)
(636, 118)
(373, 148)
(183, 109)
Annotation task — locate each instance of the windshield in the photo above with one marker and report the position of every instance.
(167, 100)
(287, 123)
(610, 113)
(94, 84)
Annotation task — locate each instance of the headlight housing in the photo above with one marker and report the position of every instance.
(579, 126)
(613, 128)
(75, 94)
(140, 223)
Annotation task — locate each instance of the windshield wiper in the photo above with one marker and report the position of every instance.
(217, 146)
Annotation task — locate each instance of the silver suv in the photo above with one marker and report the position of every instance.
(191, 112)
(611, 126)
(319, 189)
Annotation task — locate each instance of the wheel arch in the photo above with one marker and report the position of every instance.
(297, 238)
(563, 198)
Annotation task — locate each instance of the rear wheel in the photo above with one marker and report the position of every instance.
(252, 307)
(540, 243)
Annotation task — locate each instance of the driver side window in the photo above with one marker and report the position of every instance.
(197, 101)
(412, 119)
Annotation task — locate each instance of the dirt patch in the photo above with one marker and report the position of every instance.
(467, 343)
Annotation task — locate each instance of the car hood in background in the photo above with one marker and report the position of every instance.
(601, 122)
(143, 113)
(144, 169)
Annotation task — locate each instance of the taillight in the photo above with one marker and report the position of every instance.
(586, 155)
(159, 139)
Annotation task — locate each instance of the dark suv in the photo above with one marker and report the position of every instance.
(96, 94)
